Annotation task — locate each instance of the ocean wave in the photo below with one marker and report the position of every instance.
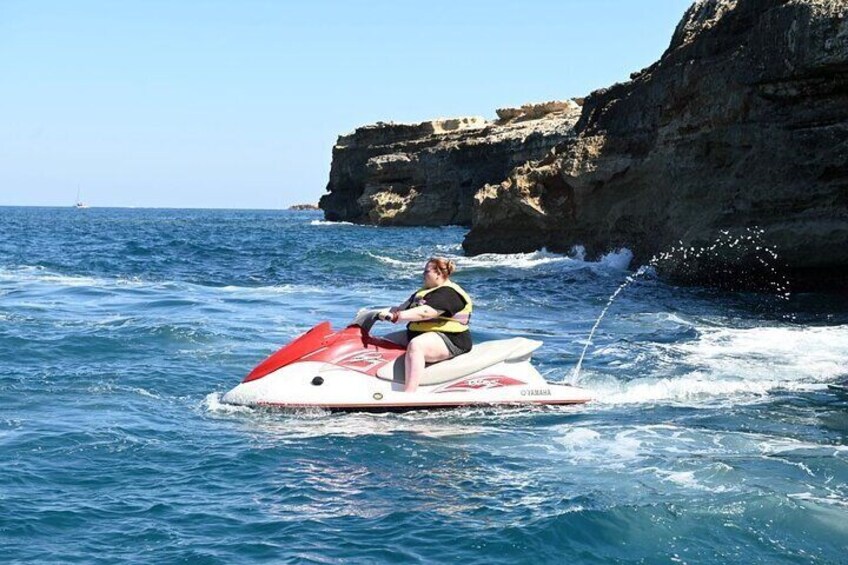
(831, 499)
(212, 403)
(635, 450)
(744, 365)
(772, 446)
(329, 223)
(273, 289)
(586, 445)
(304, 423)
(104, 388)
(619, 259)
(787, 354)
(406, 265)
(616, 260)
(38, 273)
(695, 389)
(513, 260)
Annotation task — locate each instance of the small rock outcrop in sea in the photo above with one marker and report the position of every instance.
(427, 174)
(743, 122)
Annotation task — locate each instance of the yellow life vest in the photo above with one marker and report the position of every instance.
(454, 324)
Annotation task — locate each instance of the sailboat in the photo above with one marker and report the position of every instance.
(80, 203)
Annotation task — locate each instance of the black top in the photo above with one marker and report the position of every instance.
(448, 301)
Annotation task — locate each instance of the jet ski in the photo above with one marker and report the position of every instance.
(351, 370)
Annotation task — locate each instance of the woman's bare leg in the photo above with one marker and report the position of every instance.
(425, 348)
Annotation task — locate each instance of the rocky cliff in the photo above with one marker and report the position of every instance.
(428, 173)
(743, 122)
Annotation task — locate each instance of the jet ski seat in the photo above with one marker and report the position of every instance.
(482, 355)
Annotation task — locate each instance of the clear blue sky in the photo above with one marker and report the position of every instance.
(237, 104)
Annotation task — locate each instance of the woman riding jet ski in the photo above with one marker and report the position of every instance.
(352, 370)
(439, 313)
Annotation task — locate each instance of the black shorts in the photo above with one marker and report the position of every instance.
(457, 343)
(453, 348)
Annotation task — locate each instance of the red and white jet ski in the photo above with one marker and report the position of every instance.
(353, 370)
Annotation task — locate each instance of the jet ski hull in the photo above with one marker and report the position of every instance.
(315, 385)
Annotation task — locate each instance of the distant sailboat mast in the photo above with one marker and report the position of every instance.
(80, 203)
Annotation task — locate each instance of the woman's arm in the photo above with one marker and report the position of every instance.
(390, 314)
(417, 314)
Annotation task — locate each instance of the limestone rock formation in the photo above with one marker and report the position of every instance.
(742, 122)
(426, 174)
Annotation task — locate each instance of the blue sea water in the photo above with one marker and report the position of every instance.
(713, 438)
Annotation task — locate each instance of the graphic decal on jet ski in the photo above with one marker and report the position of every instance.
(483, 382)
(362, 361)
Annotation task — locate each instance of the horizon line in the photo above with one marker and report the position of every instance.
(89, 207)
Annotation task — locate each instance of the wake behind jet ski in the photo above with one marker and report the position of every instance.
(352, 370)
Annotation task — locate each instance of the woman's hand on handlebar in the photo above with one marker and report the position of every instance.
(387, 315)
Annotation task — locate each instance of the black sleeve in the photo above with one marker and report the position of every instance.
(446, 300)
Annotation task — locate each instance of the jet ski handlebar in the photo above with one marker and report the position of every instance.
(365, 319)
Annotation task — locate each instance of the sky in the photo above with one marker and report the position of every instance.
(237, 104)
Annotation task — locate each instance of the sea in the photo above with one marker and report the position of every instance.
(712, 438)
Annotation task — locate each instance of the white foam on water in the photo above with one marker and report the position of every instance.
(691, 389)
(449, 248)
(578, 252)
(672, 441)
(829, 500)
(681, 478)
(304, 424)
(271, 289)
(486, 261)
(114, 388)
(407, 265)
(212, 403)
(101, 388)
(513, 260)
(689, 480)
(37, 273)
(585, 445)
(664, 456)
(635, 449)
(329, 223)
(738, 365)
(790, 446)
(144, 392)
(112, 321)
(619, 259)
(767, 354)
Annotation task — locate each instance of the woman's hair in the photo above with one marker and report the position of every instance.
(445, 266)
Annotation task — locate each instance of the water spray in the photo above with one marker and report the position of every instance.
(762, 253)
